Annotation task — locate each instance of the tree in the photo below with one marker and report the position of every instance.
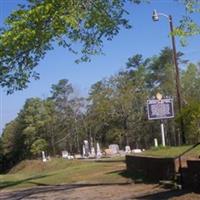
(35, 119)
(67, 111)
(38, 146)
(191, 116)
(188, 25)
(190, 79)
(50, 125)
(99, 111)
(12, 144)
(31, 30)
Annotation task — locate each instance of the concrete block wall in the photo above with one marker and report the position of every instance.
(151, 168)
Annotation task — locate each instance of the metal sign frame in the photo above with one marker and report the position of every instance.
(160, 109)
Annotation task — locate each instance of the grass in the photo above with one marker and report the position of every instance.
(31, 173)
(172, 151)
(58, 171)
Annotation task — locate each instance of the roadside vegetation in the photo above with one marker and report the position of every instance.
(172, 151)
(30, 173)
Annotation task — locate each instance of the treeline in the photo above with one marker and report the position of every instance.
(113, 112)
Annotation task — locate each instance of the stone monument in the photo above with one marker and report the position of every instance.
(99, 154)
(114, 148)
(43, 157)
(127, 149)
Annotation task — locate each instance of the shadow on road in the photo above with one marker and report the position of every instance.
(23, 194)
(110, 161)
(6, 184)
(135, 177)
(163, 195)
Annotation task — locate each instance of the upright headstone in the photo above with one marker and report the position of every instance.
(83, 151)
(86, 149)
(155, 142)
(65, 154)
(99, 154)
(43, 157)
(127, 149)
(92, 152)
(114, 148)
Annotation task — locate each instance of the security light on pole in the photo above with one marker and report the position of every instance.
(155, 17)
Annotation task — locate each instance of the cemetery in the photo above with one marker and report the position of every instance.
(182, 170)
(99, 99)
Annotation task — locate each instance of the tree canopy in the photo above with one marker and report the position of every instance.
(31, 31)
(35, 27)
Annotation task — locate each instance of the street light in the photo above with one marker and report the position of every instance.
(155, 17)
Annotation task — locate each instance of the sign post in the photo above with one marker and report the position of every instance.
(160, 109)
(162, 133)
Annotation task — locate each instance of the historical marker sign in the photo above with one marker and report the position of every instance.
(160, 109)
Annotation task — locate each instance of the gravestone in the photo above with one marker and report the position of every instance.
(108, 152)
(92, 152)
(86, 150)
(114, 148)
(99, 154)
(43, 157)
(155, 142)
(127, 149)
(65, 154)
(77, 156)
(83, 150)
(136, 150)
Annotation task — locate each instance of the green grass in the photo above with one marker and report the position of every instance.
(58, 171)
(31, 173)
(172, 151)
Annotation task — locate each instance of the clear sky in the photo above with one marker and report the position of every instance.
(146, 37)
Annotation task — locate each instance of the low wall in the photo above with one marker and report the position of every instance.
(191, 175)
(151, 168)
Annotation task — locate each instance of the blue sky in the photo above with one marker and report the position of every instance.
(146, 37)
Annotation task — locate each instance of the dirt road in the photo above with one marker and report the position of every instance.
(99, 192)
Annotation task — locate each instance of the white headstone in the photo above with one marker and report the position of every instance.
(136, 150)
(92, 152)
(77, 156)
(43, 157)
(86, 150)
(99, 154)
(155, 142)
(127, 149)
(114, 148)
(70, 157)
(83, 150)
(65, 154)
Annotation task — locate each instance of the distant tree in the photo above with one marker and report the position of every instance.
(50, 125)
(99, 110)
(12, 143)
(190, 80)
(191, 116)
(67, 111)
(38, 146)
(32, 118)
